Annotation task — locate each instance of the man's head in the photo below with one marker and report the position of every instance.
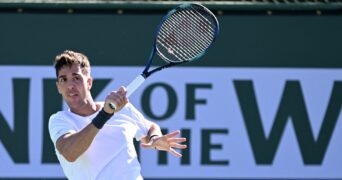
(68, 58)
(73, 79)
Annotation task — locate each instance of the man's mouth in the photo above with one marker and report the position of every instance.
(72, 94)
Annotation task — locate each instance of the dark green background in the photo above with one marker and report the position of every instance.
(248, 38)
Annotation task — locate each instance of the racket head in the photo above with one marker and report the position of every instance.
(186, 33)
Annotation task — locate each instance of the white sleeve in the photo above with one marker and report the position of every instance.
(58, 126)
(143, 125)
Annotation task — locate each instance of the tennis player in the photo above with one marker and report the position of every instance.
(92, 140)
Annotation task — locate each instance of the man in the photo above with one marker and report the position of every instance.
(94, 141)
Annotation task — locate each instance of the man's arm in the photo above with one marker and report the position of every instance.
(154, 131)
(72, 145)
(168, 142)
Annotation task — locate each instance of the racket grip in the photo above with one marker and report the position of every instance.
(134, 85)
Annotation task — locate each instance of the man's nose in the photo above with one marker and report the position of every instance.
(70, 84)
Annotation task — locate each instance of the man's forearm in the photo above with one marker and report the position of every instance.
(71, 146)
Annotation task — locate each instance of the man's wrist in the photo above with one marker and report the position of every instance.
(152, 137)
(101, 119)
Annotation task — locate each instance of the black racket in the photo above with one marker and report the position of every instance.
(183, 35)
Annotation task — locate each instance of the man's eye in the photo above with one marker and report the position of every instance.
(62, 80)
(77, 78)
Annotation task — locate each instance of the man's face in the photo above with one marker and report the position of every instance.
(74, 86)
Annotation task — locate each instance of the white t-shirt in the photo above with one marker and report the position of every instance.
(112, 154)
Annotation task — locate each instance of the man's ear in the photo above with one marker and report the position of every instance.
(90, 82)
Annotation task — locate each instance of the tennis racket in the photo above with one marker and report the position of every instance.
(183, 35)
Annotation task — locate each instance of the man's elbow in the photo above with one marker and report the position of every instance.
(67, 153)
(69, 156)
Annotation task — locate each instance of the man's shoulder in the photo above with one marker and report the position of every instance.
(59, 113)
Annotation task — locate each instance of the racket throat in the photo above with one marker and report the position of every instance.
(133, 86)
(145, 75)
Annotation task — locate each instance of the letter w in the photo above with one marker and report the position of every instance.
(291, 107)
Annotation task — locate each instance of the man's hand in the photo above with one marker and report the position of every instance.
(167, 143)
(118, 98)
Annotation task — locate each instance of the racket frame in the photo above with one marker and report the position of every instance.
(146, 73)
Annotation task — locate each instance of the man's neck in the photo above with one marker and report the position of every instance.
(88, 109)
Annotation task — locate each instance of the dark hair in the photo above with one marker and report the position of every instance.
(68, 58)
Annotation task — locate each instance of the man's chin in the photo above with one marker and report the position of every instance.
(73, 104)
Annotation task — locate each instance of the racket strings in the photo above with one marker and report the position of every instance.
(198, 36)
(177, 46)
(185, 35)
(171, 44)
(206, 31)
(176, 43)
(200, 21)
(193, 35)
(188, 35)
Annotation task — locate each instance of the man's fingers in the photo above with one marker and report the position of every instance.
(178, 140)
(117, 99)
(172, 134)
(122, 90)
(175, 153)
(178, 146)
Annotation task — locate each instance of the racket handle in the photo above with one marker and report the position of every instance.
(131, 88)
(134, 85)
